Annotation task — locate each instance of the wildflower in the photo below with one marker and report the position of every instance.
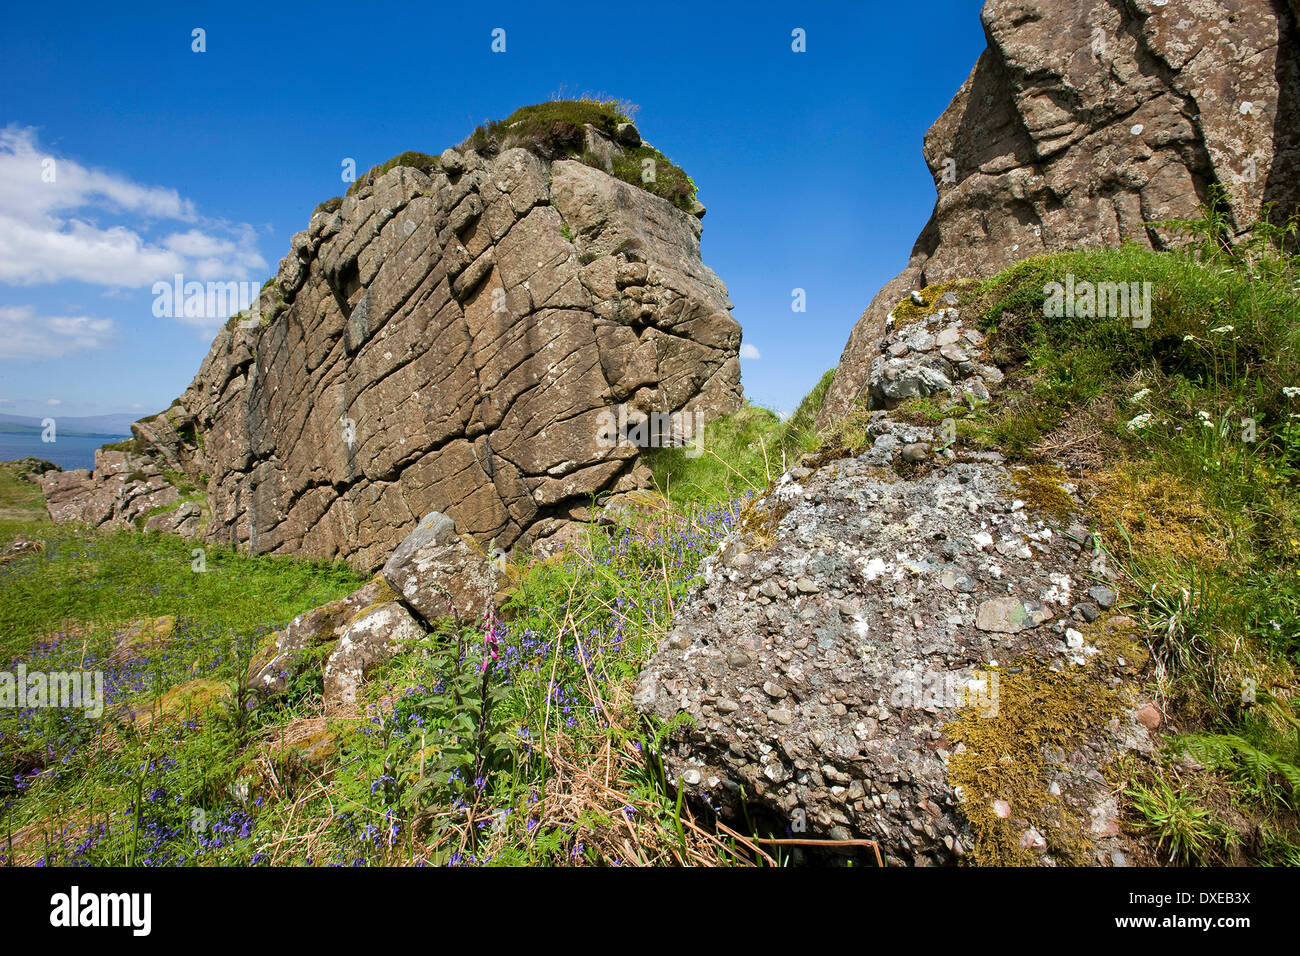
(1140, 395)
(1140, 421)
(491, 636)
(1291, 391)
(1221, 329)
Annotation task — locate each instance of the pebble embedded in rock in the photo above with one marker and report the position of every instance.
(1001, 615)
(1104, 596)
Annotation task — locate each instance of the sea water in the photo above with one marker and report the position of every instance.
(67, 451)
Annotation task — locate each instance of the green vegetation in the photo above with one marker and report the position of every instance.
(171, 631)
(22, 507)
(639, 163)
(409, 158)
(1184, 437)
(109, 579)
(741, 452)
(330, 205)
(556, 130)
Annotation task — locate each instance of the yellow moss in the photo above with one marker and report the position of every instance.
(146, 635)
(386, 596)
(185, 700)
(850, 431)
(908, 312)
(1040, 487)
(315, 748)
(1160, 513)
(1003, 756)
(758, 522)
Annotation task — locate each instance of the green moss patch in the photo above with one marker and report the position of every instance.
(411, 158)
(1005, 757)
(909, 312)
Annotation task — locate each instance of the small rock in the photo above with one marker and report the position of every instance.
(1031, 839)
(1103, 596)
(1149, 717)
(1001, 615)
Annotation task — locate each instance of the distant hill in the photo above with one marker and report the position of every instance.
(108, 426)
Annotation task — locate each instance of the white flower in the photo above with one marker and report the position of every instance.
(1143, 394)
(1189, 338)
(1222, 328)
(1141, 421)
(1203, 416)
(1291, 392)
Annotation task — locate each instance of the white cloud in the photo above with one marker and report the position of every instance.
(54, 401)
(50, 231)
(26, 335)
(748, 351)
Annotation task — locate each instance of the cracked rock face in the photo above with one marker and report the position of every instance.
(849, 618)
(122, 488)
(448, 340)
(1082, 121)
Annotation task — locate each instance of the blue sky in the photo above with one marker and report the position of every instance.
(169, 160)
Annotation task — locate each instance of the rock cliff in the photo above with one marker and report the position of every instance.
(1084, 122)
(451, 336)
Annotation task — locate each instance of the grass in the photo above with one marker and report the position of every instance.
(742, 452)
(556, 130)
(108, 579)
(410, 158)
(22, 506)
(1183, 437)
(171, 631)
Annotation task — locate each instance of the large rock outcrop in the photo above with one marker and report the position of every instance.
(124, 490)
(451, 338)
(910, 646)
(1084, 121)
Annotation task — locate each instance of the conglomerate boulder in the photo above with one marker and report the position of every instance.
(899, 647)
